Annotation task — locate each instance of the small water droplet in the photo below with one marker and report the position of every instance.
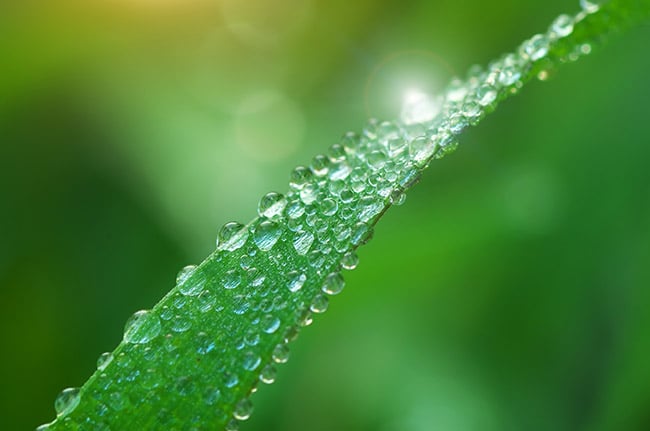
(266, 235)
(486, 94)
(271, 205)
(142, 327)
(333, 284)
(232, 236)
(243, 410)
(186, 284)
(67, 401)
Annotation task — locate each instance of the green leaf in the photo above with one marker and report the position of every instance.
(192, 361)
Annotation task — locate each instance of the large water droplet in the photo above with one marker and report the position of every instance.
(268, 374)
(232, 236)
(243, 410)
(67, 401)
(142, 327)
(303, 241)
(186, 285)
(271, 205)
(266, 235)
(300, 177)
(349, 261)
(333, 284)
(281, 353)
(319, 304)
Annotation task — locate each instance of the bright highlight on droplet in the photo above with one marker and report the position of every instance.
(418, 107)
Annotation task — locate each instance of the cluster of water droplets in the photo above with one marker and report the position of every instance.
(239, 310)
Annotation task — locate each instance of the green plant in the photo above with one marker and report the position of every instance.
(192, 361)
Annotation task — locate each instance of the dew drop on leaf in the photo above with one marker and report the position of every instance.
(232, 236)
(142, 327)
(333, 284)
(67, 401)
(266, 235)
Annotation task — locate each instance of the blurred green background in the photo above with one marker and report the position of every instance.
(511, 292)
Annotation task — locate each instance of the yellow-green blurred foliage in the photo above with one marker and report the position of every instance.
(511, 292)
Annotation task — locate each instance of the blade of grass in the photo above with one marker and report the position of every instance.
(192, 361)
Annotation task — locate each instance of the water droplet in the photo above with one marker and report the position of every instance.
(333, 284)
(309, 194)
(142, 327)
(185, 273)
(251, 361)
(270, 324)
(377, 159)
(211, 396)
(205, 301)
(350, 260)
(329, 207)
(67, 401)
(295, 210)
(186, 285)
(591, 6)
(486, 94)
(303, 241)
(233, 425)
(266, 235)
(271, 205)
(320, 165)
(230, 380)
(300, 177)
(181, 323)
(536, 47)
(421, 149)
(103, 360)
(296, 280)
(268, 374)
(243, 410)
(281, 353)
(232, 236)
(562, 26)
(319, 304)
(231, 279)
